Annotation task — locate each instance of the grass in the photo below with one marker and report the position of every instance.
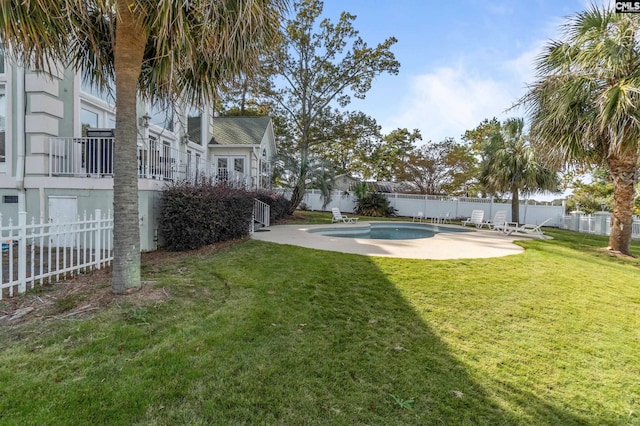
(319, 218)
(274, 334)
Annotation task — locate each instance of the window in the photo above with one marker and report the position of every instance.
(194, 125)
(1, 61)
(88, 119)
(223, 170)
(95, 118)
(96, 92)
(238, 165)
(167, 161)
(161, 116)
(222, 163)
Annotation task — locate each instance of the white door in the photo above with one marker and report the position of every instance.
(62, 210)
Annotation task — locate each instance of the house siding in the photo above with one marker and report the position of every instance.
(53, 107)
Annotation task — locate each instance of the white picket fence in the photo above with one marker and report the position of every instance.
(45, 251)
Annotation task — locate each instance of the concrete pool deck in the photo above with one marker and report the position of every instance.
(455, 245)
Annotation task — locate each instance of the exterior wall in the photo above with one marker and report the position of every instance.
(37, 204)
(44, 110)
(8, 210)
(344, 182)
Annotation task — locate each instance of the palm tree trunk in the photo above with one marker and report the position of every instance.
(296, 197)
(624, 172)
(515, 205)
(128, 54)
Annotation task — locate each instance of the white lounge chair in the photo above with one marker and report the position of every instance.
(443, 218)
(499, 221)
(339, 217)
(526, 229)
(419, 217)
(476, 218)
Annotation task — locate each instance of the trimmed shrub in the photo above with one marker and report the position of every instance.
(194, 215)
(374, 204)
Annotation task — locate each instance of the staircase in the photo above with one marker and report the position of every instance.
(261, 216)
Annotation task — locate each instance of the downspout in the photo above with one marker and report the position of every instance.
(258, 168)
(20, 138)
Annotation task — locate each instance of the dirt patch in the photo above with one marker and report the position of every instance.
(298, 216)
(85, 295)
(615, 253)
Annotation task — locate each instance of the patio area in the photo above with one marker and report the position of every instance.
(456, 245)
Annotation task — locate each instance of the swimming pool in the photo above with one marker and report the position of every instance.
(387, 231)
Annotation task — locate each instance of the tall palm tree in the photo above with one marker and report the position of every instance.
(511, 165)
(164, 51)
(585, 105)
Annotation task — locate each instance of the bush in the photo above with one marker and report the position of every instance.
(194, 215)
(374, 204)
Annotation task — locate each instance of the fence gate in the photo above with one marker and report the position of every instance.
(62, 210)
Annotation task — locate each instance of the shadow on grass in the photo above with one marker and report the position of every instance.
(329, 340)
(263, 334)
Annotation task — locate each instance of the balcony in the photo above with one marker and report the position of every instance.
(93, 158)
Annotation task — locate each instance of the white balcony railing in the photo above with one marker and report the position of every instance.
(93, 158)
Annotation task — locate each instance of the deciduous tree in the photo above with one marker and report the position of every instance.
(446, 167)
(390, 156)
(320, 65)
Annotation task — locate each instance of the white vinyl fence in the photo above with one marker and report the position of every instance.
(436, 207)
(598, 223)
(40, 252)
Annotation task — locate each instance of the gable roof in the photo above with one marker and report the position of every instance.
(238, 130)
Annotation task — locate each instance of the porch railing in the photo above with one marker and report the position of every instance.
(261, 214)
(93, 157)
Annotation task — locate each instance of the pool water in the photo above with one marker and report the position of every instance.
(383, 231)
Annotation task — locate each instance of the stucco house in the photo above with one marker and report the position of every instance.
(56, 148)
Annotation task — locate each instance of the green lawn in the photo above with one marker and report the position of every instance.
(271, 334)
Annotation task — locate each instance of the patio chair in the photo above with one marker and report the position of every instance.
(476, 218)
(339, 217)
(498, 222)
(526, 229)
(418, 217)
(443, 218)
(446, 218)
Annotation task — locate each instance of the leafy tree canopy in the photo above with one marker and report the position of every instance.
(319, 66)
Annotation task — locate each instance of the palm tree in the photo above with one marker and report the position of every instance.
(165, 51)
(315, 172)
(511, 165)
(585, 105)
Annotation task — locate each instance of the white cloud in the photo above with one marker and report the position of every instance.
(449, 101)
(523, 67)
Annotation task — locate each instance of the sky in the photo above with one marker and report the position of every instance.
(461, 61)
